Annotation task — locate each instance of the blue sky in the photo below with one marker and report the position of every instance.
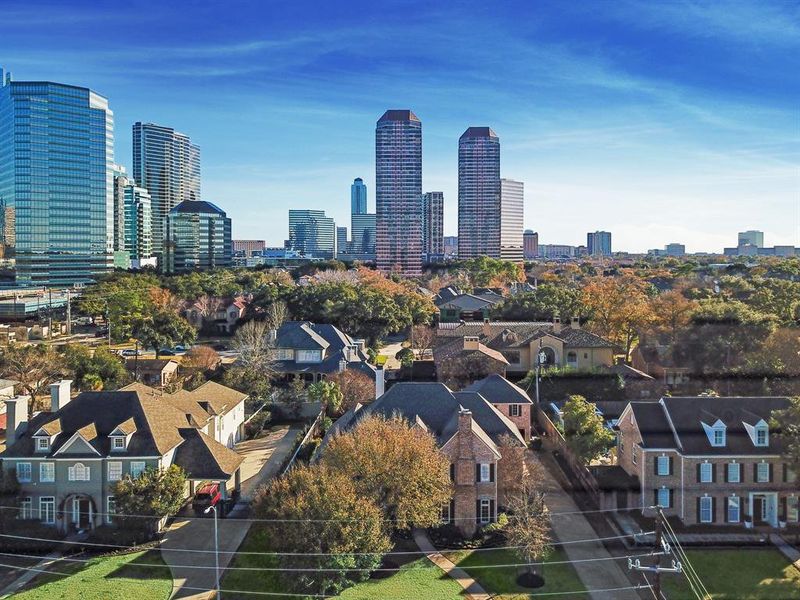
(658, 121)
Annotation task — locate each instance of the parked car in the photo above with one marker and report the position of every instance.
(207, 495)
(167, 352)
(101, 333)
(180, 349)
(131, 352)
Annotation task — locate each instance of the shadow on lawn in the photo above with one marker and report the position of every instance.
(139, 568)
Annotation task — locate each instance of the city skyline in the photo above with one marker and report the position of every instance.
(622, 132)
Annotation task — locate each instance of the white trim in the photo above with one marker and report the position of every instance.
(71, 441)
(50, 499)
(42, 464)
(671, 424)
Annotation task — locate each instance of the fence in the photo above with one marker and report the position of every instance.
(554, 440)
(312, 430)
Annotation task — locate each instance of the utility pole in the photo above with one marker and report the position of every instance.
(661, 547)
(50, 313)
(69, 314)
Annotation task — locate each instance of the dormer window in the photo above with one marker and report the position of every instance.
(715, 433)
(719, 436)
(762, 436)
(758, 432)
(42, 444)
(118, 443)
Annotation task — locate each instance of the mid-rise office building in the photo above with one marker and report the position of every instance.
(598, 243)
(358, 197)
(138, 226)
(167, 164)
(56, 181)
(342, 245)
(512, 207)
(478, 193)
(121, 180)
(557, 251)
(751, 238)
(530, 244)
(198, 237)
(249, 247)
(311, 233)
(398, 192)
(362, 236)
(433, 223)
(675, 249)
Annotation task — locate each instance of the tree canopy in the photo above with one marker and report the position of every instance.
(584, 431)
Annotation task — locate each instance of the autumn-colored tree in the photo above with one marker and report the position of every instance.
(671, 312)
(584, 430)
(319, 515)
(620, 309)
(510, 468)
(396, 466)
(201, 358)
(357, 388)
(163, 299)
(35, 367)
(528, 530)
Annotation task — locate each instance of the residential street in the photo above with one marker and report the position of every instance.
(596, 574)
(193, 572)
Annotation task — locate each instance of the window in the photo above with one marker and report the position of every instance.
(762, 472)
(485, 510)
(118, 443)
(515, 410)
(633, 454)
(734, 512)
(705, 510)
(762, 437)
(114, 471)
(24, 472)
(25, 509)
(734, 473)
(111, 508)
(706, 473)
(283, 354)
(791, 509)
(719, 437)
(452, 471)
(572, 358)
(309, 356)
(137, 468)
(78, 472)
(47, 510)
(662, 465)
(484, 472)
(42, 444)
(47, 472)
(663, 498)
(445, 513)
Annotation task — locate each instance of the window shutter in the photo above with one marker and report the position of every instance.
(655, 465)
(770, 472)
(725, 474)
(755, 473)
(713, 510)
(452, 471)
(477, 472)
(698, 509)
(452, 511)
(491, 472)
(713, 473)
(727, 508)
(698, 472)
(671, 498)
(491, 511)
(783, 510)
(478, 511)
(670, 465)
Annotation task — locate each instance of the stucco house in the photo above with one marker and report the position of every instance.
(153, 371)
(707, 460)
(563, 345)
(468, 429)
(68, 459)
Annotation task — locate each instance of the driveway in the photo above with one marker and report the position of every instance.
(390, 350)
(193, 573)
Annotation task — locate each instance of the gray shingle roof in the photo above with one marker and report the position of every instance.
(500, 335)
(499, 390)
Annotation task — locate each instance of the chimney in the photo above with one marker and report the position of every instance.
(487, 328)
(60, 394)
(556, 324)
(471, 342)
(16, 418)
(380, 383)
(575, 323)
(464, 421)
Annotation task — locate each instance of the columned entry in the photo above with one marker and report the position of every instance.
(764, 508)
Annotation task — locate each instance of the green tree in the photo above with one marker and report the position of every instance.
(101, 369)
(125, 299)
(546, 302)
(328, 394)
(155, 493)
(163, 329)
(319, 510)
(484, 271)
(9, 498)
(787, 423)
(396, 466)
(584, 431)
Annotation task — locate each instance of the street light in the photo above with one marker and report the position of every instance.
(216, 546)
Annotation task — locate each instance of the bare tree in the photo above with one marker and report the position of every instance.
(528, 529)
(253, 341)
(35, 367)
(422, 339)
(276, 315)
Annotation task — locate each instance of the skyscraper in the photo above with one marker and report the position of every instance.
(120, 181)
(530, 244)
(56, 181)
(512, 207)
(358, 197)
(478, 193)
(362, 236)
(198, 237)
(433, 223)
(598, 243)
(138, 226)
(168, 165)
(398, 193)
(312, 233)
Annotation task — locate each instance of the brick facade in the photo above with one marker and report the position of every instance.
(522, 420)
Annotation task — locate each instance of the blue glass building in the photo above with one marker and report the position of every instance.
(56, 181)
(358, 197)
(198, 237)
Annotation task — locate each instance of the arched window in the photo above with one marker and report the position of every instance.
(78, 472)
(547, 357)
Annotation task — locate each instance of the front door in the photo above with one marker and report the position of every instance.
(759, 510)
(80, 513)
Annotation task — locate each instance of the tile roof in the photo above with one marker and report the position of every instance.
(456, 348)
(501, 335)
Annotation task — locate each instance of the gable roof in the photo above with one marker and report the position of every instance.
(202, 457)
(456, 348)
(299, 335)
(499, 390)
(468, 302)
(514, 334)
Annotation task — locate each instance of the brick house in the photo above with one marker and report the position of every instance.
(460, 363)
(468, 429)
(509, 399)
(707, 460)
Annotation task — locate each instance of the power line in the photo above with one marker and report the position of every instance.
(682, 554)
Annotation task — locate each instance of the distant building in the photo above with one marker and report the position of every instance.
(512, 207)
(556, 251)
(121, 180)
(398, 183)
(248, 247)
(138, 226)
(167, 164)
(312, 233)
(358, 197)
(433, 223)
(530, 244)
(751, 238)
(598, 243)
(362, 232)
(198, 237)
(675, 249)
(478, 193)
(450, 246)
(56, 181)
(341, 241)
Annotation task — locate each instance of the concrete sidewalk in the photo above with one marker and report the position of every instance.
(27, 576)
(787, 549)
(594, 574)
(472, 589)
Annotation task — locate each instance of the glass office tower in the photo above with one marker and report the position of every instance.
(198, 238)
(512, 209)
(167, 164)
(358, 197)
(312, 233)
(478, 193)
(138, 224)
(433, 224)
(56, 181)
(398, 192)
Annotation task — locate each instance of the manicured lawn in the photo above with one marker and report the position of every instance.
(746, 574)
(558, 577)
(113, 576)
